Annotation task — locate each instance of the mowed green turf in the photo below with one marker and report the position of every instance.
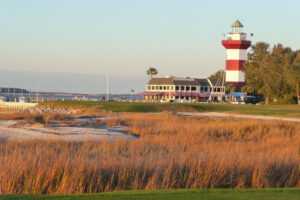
(215, 194)
(271, 110)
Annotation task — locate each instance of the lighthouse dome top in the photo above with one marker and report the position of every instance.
(237, 23)
(237, 27)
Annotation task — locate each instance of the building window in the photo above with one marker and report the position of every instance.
(165, 87)
(176, 88)
(149, 87)
(205, 89)
(187, 88)
(168, 87)
(194, 88)
(156, 87)
(201, 89)
(182, 87)
(172, 88)
(160, 87)
(152, 87)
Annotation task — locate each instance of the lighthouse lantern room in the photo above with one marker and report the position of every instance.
(236, 45)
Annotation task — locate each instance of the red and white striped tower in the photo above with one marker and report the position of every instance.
(236, 46)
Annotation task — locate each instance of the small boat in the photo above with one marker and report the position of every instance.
(23, 99)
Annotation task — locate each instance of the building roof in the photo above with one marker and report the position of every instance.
(186, 81)
(161, 81)
(178, 81)
(204, 82)
(237, 23)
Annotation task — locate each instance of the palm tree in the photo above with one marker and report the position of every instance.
(247, 89)
(151, 72)
(230, 87)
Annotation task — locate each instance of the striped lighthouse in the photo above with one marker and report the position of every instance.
(236, 45)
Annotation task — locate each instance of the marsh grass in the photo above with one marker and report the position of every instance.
(172, 152)
(40, 118)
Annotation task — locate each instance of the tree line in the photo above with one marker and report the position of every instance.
(273, 72)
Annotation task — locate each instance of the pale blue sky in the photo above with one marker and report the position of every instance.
(124, 37)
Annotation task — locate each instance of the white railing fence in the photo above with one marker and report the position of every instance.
(12, 107)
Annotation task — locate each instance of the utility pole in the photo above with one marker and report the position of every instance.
(297, 90)
(37, 91)
(223, 86)
(107, 87)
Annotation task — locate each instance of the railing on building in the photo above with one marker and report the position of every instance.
(13, 107)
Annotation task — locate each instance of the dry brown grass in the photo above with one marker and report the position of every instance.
(172, 152)
(41, 118)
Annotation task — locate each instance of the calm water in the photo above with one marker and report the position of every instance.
(12, 97)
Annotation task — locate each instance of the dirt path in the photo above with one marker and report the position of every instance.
(258, 117)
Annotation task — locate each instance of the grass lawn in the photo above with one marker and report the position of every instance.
(216, 194)
(271, 110)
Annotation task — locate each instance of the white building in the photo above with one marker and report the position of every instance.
(177, 89)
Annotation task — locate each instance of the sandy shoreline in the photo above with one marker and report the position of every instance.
(9, 129)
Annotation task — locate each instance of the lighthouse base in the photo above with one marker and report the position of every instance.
(238, 85)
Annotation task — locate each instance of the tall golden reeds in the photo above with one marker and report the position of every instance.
(172, 152)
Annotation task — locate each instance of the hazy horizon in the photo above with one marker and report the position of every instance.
(64, 82)
(57, 42)
(83, 83)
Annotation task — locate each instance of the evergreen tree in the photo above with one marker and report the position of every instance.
(268, 71)
(293, 76)
(254, 65)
